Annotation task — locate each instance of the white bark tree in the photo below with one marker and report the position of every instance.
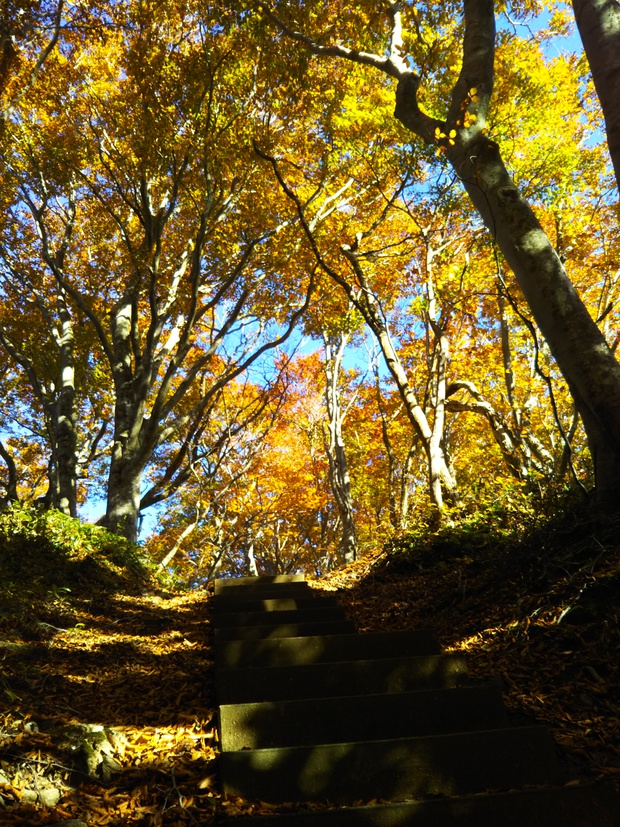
(598, 22)
(576, 343)
(335, 448)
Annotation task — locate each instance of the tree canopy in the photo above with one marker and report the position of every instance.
(299, 276)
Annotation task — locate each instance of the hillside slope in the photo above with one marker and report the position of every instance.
(106, 691)
(541, 612)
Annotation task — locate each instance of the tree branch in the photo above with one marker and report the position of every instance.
(11, 485)
(392, 65)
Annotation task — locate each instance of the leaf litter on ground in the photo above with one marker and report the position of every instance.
(542, 615)
(133, 668)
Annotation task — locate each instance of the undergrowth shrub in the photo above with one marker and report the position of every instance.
(502, 518)
(46, 551)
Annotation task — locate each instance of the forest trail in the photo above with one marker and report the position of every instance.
(107, 699)
(345, 723)
(106, 711)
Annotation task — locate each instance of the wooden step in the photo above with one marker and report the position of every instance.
(574, 806)
(363, 717)
(272, 631)
(295, 651)
(227, 607)
(357, 677)
(261, 591)
(455, 765)
(222, 584)
(322, 614)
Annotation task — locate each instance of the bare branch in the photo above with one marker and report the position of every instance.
(393, 65)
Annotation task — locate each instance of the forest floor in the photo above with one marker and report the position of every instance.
(106, 703)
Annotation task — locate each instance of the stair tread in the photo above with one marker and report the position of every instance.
(222, 583)
(368, 717)
(265, 618)
(451, 764)
(574, 806)
(322, 648)
(238, 591)
(284, 630)
(270, 604)
(337, 678)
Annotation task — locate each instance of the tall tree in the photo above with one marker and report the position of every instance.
(334, 349)
(598, 22)
(453, 119)
(151, 218)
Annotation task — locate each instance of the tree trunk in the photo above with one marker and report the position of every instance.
(58, 400)
(66, 453)
(391, 459)
(598, 22)
(440, 476)
(11, 483)
(251, 569)
(405, 487)
(127, 464)
(335, 449)
(123, 505)
(221, 547)
(66, 415)
(189, 528)
(437, 360)
(509, 377)
(128, 456)
(577, 344)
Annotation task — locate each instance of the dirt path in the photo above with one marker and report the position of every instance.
(107, 713)
(106, 704)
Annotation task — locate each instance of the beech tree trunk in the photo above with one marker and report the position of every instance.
(251, 569)
(58, 401)
(598, 22)
(66, 416)
(395, 515)
(123, 504)
(578, 346)
(441, 479)
(335, 448)
(130, 428)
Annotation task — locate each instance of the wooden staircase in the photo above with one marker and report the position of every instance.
(311, 711)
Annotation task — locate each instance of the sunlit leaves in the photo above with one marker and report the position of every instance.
(138, 161)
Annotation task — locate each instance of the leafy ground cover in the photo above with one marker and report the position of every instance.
(541, 612)
(106, 704)
(106, 714)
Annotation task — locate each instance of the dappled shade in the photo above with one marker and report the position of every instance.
(333, 747)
